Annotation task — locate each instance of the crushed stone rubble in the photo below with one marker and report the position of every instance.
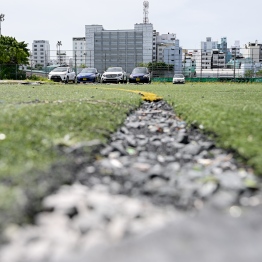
(155, 170)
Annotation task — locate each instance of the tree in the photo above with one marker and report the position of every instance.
(12, 54)
(259, 73)
(249, 73)
(157, 66)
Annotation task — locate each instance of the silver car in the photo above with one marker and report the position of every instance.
(114, 75)
(178, 79)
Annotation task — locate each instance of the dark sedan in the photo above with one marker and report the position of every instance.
(88, 75)
(140, 75)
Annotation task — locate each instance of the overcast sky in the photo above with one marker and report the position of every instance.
(191, 20)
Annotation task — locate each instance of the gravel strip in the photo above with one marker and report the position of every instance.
(153, 175)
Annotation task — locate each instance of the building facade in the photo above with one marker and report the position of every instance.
(41, 52)
(253, 51)
(164, 41)
(218, 59)
(208, 45)
(124, 48)
(79, 52)
(173, 56)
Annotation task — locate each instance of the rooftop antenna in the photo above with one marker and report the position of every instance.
(146, 7)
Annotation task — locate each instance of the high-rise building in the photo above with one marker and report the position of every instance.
(124, 48)
(41, 52)
(173, 56)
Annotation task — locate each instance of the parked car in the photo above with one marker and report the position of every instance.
(114, 75)
(178, 79)
(64, 74)
(88, 75)
(140, 75)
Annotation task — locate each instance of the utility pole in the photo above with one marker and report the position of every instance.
(234, 72)
(59, 43)
(2, 18)
(85, 58)
(75, 64)
(31, 62)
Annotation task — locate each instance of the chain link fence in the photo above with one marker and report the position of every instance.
(242, 65)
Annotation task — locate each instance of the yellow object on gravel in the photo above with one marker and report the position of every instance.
(145, 95)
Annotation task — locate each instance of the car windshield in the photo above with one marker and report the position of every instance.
(142, 70)
(60, 69)
(179, 76)
(89, 70)
(114, 69)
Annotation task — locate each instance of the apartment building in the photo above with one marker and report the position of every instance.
(206, 52)
(189, 62)
(163, 41)
(218, 59)
(208, 45)
(235, 49)
(172, 55)
(41, 52)
(253, 51)
(154, 51)
(222, 46)
(79, 52)
(125, 48)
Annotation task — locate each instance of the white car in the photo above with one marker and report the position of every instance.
(114, 75)
(178, 79)
(62, 74)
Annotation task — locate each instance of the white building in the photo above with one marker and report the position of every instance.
(41, 52)
(163, 41)
(253, 51)
(208, 45)
(79, 51)
(206, 52)
(235, 49)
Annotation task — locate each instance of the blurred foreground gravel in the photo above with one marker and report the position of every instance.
(161, 191)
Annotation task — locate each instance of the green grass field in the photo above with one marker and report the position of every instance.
(35, 119)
